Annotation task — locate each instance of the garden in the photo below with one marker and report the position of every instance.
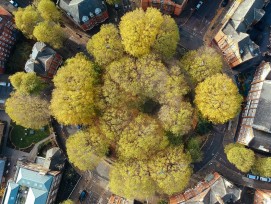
(23, 138)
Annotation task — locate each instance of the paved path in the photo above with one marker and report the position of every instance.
(34, 152)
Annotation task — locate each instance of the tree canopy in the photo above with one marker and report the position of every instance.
(69, 201)
(73, 99)
(202, 63)
(141, 31)
(262, 166)
(26, 19)
(26, 83)
(49, 32)
(218, 102)
(85, 148)
(28, 111)
(171, 170)
(241, 157)
(131, 179)
(48, 10)
(106, 45)
(142, 138)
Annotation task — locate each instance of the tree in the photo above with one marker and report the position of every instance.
(167, 39)
(26, 19)
(141, 139)
(201, 63)
(48, 10)
(131, 179)
(85, 148)
(69, 201)
(171, 170)
(49, 32)
(262, 166)
(139, 30)
(73, 99)
(177, 120)
(26, 83)
(193, 147)
(241, 157)
(112, 2)
(218, 102)
(106, 45)
(28, 111)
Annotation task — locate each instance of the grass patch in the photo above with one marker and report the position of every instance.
(22, 137)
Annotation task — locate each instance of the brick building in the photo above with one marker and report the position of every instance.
(85, 13)
(255, 129)
(36, 183)
(43, 60)
(233, 39)
(212, 190)
(165, 6)
(262, 197)
(7, 37)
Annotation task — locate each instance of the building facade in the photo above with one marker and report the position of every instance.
(35, 183)
(44, 61)
(255, 124)
(85, 13)
(165, 6)
(233, 39)
(7, 37)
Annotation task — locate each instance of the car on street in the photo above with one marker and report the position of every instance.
(14, 3)
(224, 3)
(253, 177)
(199, 5)
(82, 195)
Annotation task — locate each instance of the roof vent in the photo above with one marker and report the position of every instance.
(98, 11)
(91, 14)
(85, 19)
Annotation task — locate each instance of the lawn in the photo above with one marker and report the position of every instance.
(22, 137)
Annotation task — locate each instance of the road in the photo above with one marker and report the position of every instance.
(193, 24)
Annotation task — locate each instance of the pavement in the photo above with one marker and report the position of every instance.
(193, 24)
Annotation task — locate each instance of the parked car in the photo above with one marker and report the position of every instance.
(83, 195)
(265, 179)
(199, 5)
(224, 3)
(14, 3)
(253, 177)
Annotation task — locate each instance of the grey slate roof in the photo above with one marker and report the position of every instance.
(41, 55)
(263, 113)
(248, 12)
(248, 49)
(79, 8)
(55, 159)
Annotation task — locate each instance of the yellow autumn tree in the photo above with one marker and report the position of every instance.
(171, 170)
(131, 179)
(26, 83)
(262, 166)
(28, 111)
(145, 134)
(106, 45)
(139, 29)
(26, 19)
(48, 10)
(49, 32)
(218, 99)
(202, 63)
(86, 148)
(73, 99)
(176, 119)
(167, 38)
(240, 156)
